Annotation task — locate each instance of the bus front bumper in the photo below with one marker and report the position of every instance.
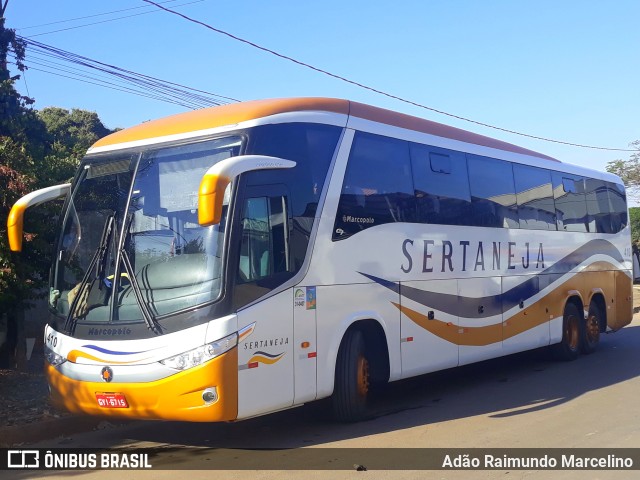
(177, 397)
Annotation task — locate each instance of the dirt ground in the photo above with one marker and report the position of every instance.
(24, 396)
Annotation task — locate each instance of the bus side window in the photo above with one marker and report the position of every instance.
(617, 206)
(377, 187)
(264, 241)
(598, 208)
(534, 194)
(441, 185)
(571, 205)
(493, 194)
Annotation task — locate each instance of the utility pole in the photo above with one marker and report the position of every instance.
(3, 8)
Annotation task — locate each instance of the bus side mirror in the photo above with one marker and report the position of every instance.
(15, 222)
(218, 177)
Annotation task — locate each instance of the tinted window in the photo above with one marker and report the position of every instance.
(598, 208)
(534, 195)
(492, 193)
(312, 147)
(571, 207)
(263, 243)
(377, 187)
(441, 185)
(618, 206)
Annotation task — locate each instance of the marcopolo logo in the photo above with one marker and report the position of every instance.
(23, 459)
(107, 374)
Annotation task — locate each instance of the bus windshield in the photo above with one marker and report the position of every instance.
(131, 247)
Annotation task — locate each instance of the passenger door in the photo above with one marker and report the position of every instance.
(265, 350)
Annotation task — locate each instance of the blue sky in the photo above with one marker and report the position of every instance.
(566, 70)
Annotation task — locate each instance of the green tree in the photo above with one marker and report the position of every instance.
(628, 170)
(16, 122)
(69, 135)
(634, 222)
(37, 149)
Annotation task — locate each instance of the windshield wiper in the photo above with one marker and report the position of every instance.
(80, 304)
(104, 249)
(149, 317)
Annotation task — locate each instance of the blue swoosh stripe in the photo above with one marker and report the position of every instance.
(260, 352)
(111, 352)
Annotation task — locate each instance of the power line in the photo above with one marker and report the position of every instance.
(375, 90)
(185, 100)
(50, 68)
(94, 72)
(106, 21)
(154, 97)
(94, 15)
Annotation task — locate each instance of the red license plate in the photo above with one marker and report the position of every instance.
(112, 400)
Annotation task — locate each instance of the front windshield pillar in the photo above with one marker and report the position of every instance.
(113, 313)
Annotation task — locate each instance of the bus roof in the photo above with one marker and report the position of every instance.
(225, 115)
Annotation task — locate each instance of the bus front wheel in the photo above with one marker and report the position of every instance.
(572, 333)
(352, 379)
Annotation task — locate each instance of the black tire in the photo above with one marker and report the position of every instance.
(572, 327)
(352, 379)
(591, 331)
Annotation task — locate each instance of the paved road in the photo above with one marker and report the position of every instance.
(526, 400)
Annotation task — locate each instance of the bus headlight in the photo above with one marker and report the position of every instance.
(202, 354)
(52, 357)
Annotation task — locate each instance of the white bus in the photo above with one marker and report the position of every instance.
(234, 261)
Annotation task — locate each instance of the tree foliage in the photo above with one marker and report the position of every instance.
(37, 149)
(628, 170)
(634, 222)
(68, 136)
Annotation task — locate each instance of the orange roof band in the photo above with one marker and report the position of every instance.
(232, 114)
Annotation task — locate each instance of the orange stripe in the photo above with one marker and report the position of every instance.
(472, 336)
(207, 118)
(267, 360)
(225, 115)
(433, 128)
(598, 276)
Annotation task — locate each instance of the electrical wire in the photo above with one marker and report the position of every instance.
(94, 15)
(76, 58)
(154, 97)
(375, 90)
(66, 73)
(105, 21)
(48, 59)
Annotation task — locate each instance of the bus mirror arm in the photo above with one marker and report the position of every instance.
(15, 221)
(219, 176)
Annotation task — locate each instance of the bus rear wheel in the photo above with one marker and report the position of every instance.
(591, 332)
(352, 379)
(572, 328)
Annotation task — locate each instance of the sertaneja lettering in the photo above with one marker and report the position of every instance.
(465, 255)
(271, 342)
